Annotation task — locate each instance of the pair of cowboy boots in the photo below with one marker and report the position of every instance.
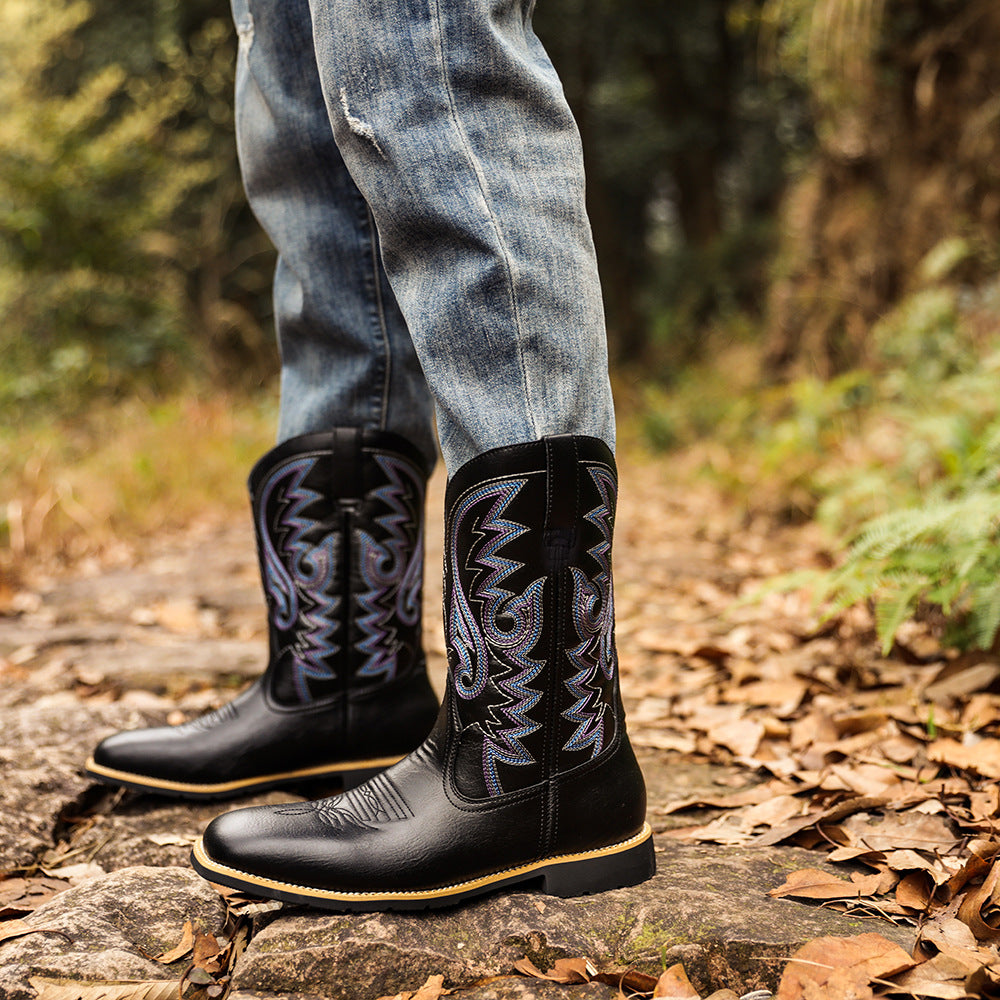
(527, 775)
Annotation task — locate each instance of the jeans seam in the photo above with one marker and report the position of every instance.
(477, 171)
(383, 326)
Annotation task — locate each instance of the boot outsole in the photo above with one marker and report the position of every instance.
(626, 863)
(351, 773)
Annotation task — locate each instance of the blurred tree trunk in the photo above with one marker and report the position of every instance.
(907, 159)
(693, 109)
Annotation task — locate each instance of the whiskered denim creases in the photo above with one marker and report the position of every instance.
(420, 173)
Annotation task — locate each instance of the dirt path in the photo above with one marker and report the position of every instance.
(175, 633)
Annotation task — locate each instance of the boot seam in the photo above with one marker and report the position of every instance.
(463, 802)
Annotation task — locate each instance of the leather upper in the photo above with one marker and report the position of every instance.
(529, 758)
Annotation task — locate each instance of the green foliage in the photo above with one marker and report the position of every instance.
(112, 184)
(943, 555)
(902, 460)
(926, 523)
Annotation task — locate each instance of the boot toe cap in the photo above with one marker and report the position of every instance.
(135, 751)
(268, 844)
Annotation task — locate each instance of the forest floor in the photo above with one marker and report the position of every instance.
(810, 797)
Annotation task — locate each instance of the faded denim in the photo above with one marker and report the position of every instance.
(418, 168)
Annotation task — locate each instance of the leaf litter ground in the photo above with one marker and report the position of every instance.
(886, 766)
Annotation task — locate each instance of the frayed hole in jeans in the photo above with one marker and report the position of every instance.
(356, 125)
(244, 31)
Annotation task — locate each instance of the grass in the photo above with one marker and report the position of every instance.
(122, 472)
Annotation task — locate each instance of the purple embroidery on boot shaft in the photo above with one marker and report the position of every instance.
(594, 620)
(473, 638)
(392, 570)
(298, 574)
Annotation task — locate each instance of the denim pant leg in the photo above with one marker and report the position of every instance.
(454, 125)
(347, 356)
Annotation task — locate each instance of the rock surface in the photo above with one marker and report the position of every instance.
(110, 928)
(506, 988)
(708, 908)
(43, 748)
(83, 656)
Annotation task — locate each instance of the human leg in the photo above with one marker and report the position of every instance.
(347, 357)
(452, 124)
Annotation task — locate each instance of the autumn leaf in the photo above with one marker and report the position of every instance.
(941, 978)
(981, 758)
(974, 907)
(675, 985)
(811, 883)
(21, 896)
(185, 945)
(431, 990)
(915, 891)
(11, 929)
(564, 970)
(831, 968)
(53, 989)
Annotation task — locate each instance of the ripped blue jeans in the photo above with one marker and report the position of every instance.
(419, 171)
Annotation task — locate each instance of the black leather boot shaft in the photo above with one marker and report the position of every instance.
(528, 775)
(339, 522)
(529, 612)
(339, 519)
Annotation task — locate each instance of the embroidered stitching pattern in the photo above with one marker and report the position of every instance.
(298, 575)
(474, 639)
(392, 570)
(210, 720)
(375, 803)
(594, 621)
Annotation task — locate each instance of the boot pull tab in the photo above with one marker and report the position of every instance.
(562, 501)
(346, 469)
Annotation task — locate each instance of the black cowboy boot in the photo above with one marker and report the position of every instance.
(528, 775)
(339, 521)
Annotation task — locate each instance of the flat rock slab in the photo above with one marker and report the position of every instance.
(708, 909)
(109, 929)
(43, 750)
(506, 988)
(42, 755)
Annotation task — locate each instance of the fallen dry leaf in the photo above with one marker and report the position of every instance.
(948, 932)
(182, 948)
(205, 950)
(901, 830)
(832, 968)
(431, 990)
(915, 891)
(675, 985)
(630, 980)
(940, 978)
(982, 758)
(812, 883)
(976, 906)
(20, 896)
(171, 839)
(11, 929)
(76, 874)
(963, 676)
(564, 970)
(51, 989)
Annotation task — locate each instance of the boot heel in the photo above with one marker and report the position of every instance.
(610, 871)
